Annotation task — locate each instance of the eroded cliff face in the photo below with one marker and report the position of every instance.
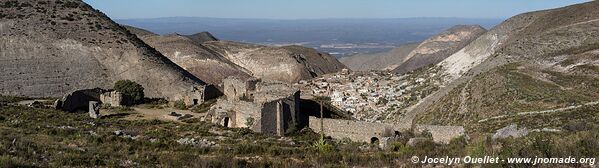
(439, 47)
(379, 61)
(213, 60)
(50, 48)
(287, 64)
(190, 54)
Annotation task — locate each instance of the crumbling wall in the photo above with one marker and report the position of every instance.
(113, 98)
(359, 131)
(238, 112)
(197, 95)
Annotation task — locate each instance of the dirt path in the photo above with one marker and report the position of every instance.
(540, 112)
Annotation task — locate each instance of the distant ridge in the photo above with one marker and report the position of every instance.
(202, 37)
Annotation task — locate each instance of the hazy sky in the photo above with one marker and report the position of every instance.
(311, 9)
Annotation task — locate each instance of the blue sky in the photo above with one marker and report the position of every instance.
(316, 9)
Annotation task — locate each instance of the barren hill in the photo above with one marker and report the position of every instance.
(287, 64)
(212, 60)
(439, 47)
(193, 56)
(49, 48)
(532, 62)
(379, 61)
(202, 37)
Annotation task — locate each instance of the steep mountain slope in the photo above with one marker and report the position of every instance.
(287, 64)
(379, 61)
(439, 47)
(193, 56)
(532, 62)
(49, 48)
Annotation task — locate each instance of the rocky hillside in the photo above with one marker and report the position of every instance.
(439, 47)
(189, 53)
(287, 64)
(213, 60)
(49, 48)
(533, 63)
(379, 61)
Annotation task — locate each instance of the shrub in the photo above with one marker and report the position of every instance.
(133, 93)
(180, 105)
(323, 147)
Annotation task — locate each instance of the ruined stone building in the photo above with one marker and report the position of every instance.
(113, 98)
(359, 131)
(266, 107)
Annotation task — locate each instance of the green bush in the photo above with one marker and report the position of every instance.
(323, 147)
(133, 93)
(180, 105)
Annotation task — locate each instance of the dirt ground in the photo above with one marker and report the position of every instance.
(151, 114)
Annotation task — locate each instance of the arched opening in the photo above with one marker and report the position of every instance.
(195, 101)
(226, 122)
(374, 140)
(397, 134)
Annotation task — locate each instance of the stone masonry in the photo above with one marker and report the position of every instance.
(359, 131)
(114, 98)
(266, 107)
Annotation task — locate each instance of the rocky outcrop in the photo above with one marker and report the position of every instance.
(78, 100)
(442, 134)
(510, 131)
(287, 64)
(439, 47)
(50, 48)
(379, 61)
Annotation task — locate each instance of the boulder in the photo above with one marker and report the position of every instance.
(94, 109)
(79, 100)
(510, 131)
(415, 141)
(442, 134)
(36, 104)
(385, 142)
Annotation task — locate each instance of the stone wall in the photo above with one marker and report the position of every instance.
(197, 95)
(359, 131)
(269, 108)
(114, 98)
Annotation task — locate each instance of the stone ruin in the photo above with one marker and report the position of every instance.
(197, 95)
(113, 98)
(383, 134)
(89, 100)
(359, 131)
(78, 100)
(267, 107)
